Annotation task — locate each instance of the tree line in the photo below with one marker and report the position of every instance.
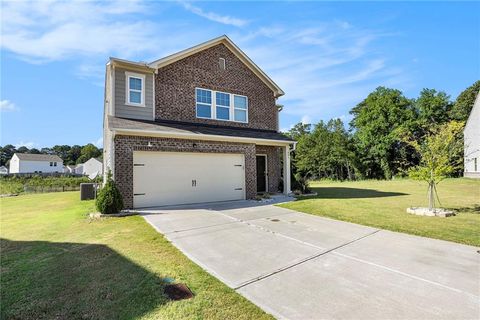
(377, 144)
(69, 154)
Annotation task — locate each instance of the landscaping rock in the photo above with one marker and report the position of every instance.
(423, 211)
(8, 195)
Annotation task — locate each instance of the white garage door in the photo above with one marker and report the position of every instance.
(168, 178)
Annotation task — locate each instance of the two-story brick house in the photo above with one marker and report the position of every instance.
(197, 126)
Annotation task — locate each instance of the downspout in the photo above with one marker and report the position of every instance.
(294, 146)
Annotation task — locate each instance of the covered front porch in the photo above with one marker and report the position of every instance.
(273, 169)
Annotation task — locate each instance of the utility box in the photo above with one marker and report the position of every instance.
(87, 191)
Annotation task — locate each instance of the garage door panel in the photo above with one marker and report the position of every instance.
(165, 178)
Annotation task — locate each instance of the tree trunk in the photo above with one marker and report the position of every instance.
(431, 196)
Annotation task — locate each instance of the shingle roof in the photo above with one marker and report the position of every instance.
(191, 128)
(38, 157)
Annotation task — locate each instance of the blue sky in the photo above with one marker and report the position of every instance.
(327, 56)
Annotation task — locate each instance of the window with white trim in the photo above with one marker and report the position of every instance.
(135, 84)
(219, 105)
(240, 108)
(204, 103)
(222, 103)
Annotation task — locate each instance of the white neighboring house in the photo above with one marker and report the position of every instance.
(35, 163)
(78, 169)
(3, 170)
(69, 169)
(472, 142)
(93, 168)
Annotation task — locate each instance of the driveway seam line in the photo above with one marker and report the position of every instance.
(403, 273)
(198, 228)
(247, 222)
(249, 282)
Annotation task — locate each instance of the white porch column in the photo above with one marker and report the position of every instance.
(286, 171)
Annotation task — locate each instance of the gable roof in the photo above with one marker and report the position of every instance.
(94, 159)
(476, 105)
(233, 48)
(38, 157)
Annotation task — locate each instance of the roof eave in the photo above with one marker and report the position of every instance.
(143, 66)
(199, 136)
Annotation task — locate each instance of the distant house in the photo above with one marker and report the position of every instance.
(472, 142)
(78, 168)
(3, 170)
(69, 169)
(35, 163)
(93, 167)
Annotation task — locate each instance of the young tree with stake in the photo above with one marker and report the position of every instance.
(436, 152)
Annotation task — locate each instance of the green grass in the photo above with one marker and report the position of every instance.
(56, 263)
(382, 204)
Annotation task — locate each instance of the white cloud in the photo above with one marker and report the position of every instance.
(43, 41)
(99, 142)
(41, 32)
(6, 105)
(28, 144)
(90, 32)
(212, 16)
(324, 69)
(306, 119)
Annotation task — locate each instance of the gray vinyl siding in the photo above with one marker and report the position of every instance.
(125, 111)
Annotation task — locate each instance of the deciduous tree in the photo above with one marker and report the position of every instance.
(436, 156)
(377, 123)
(464, 102)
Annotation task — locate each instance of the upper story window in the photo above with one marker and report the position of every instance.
(240, 108)
(224, 106)
(204, 103)
(135, 84)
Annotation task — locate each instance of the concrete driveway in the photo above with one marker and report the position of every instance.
(299, 266)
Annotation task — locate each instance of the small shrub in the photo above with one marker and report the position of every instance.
(109, 200)
(301, 183)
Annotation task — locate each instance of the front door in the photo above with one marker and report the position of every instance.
(261, 173)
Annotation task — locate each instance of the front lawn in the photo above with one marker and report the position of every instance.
(382, 204)
(58, 264)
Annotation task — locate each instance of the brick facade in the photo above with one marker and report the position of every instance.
(175, 89)
(126, 145)
(273, 166)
